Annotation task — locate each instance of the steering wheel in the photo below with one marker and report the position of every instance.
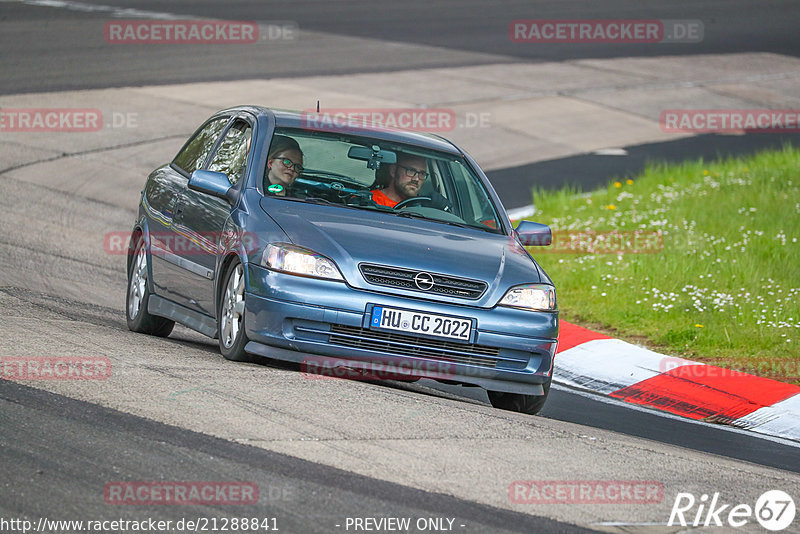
(406, 202)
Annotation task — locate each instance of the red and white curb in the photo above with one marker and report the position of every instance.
(591, 361)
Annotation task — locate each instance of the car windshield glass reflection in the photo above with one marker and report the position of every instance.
(370, 174)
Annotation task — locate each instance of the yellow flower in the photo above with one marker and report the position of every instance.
(699, 326)
(744, 169)
(611, 207)
(629, 181)
(705, 172)
(617, 184)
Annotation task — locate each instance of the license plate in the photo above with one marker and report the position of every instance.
(414, 322)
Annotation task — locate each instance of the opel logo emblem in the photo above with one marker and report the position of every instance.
(424, 281)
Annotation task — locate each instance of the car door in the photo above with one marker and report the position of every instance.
(165, 243)
(161, 193)
(202, 218)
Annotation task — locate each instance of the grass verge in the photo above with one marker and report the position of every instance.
(700, 260)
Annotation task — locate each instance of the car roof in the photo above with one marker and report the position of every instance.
(294, 119)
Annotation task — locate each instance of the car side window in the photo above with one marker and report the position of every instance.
(478, 208)
(231, 156)
(194, 154)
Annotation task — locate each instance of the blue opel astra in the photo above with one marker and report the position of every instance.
(380, 252)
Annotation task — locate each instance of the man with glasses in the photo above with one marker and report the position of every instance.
(400, 181)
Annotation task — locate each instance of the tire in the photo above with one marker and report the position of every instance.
(138, 295)
(516, 402)
(230, 315)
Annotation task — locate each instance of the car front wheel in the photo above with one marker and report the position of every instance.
(516, 402)
(139, 320)
(230, 323)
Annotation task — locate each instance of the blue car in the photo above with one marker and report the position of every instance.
(380, 253)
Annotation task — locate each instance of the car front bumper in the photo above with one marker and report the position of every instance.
(299, 319)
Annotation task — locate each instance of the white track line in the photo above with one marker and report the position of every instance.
(119, 12)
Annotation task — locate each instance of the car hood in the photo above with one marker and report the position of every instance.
(351, 237)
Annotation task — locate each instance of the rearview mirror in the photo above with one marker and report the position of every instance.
(374, 156)
(533, 234)
(212, 183)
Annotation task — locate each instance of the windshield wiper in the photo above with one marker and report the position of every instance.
(412, 215)
(310, 200)
(325, 201)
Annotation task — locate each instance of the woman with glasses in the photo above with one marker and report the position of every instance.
(284, 165)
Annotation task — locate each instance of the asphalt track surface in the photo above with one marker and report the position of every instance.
(57, 452)
(46, 49)
(51, 453)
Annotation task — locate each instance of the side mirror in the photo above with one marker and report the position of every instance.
(212, 183)
(533, 234)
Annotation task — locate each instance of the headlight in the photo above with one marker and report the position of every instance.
(531, 297)
(295, 260)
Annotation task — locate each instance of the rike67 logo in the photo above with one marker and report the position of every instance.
(774, 510)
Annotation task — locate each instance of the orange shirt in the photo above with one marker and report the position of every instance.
(380, 198)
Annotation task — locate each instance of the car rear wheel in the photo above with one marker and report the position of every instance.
(139, 320)
(230, 323)
(516, 402)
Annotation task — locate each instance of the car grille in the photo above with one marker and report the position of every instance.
(410, 346)
(404, 278)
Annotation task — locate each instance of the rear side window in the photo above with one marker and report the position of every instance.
(194, 154)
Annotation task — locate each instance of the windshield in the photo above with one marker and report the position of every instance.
(370, 174)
